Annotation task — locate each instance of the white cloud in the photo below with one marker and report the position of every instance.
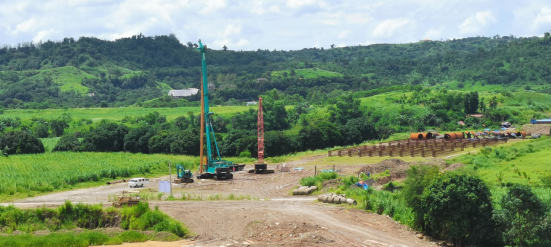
(385, 29)
(343, 34)
(25, 26)
(543, 17)
(293, 4)
(432, 34)
(357, 18)
(213, 6)
(269, 24)
(477, 22)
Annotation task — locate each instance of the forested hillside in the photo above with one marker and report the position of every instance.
(135, 70)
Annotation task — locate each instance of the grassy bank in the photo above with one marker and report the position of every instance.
(82, 224)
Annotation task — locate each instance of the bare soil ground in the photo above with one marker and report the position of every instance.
(277, 218)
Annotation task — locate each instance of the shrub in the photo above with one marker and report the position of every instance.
(107, 137)
(41, 130)
(20, 142)
(67, 143)
(140, 217)
(523, 218)
(245, 154)
(418, 178)
(458, 207)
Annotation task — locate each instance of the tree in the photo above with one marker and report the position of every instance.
(107, 137)
(67, 143)
(58, 127)
(357, 130)
(458, 207)
(137, 139)
(186, 142)
(311, 138)
(160, 142)
(419, 177)
(224, 48)
(493, 103)
(332, 46)
(523, 218)
(20, 142)
(41, 130)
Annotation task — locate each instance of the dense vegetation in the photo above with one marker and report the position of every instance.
(91, 217)
(137, 69)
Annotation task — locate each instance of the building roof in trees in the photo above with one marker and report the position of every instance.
(476, 115)
(183, 92)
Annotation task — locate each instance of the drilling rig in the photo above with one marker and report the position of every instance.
(260, 167)
(211, 167)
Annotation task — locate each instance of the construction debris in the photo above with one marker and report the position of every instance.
(336, 198)
(304, 190)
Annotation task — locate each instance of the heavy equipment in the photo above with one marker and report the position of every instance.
(214, 167)
(128, 198)
(183, 175)
(260, 167)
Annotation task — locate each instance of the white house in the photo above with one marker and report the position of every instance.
(252, 103)
(178, 94)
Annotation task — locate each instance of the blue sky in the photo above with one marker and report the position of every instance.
(273, 24)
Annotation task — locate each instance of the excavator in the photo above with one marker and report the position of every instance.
(183, 175)
(260, 167)
(211, 167)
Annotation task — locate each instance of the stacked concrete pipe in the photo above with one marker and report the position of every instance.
(304, 190)
(337, 199)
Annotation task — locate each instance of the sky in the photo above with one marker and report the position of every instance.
(273, 24)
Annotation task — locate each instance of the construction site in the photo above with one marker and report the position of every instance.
(263, 204)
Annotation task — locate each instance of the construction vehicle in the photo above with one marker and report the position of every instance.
(128, 198)
(183, 175)
(260, 167)
(214, 167)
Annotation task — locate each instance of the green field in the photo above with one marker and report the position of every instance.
(308, 73)
(27, 175)
(68, 77)
(116, 114)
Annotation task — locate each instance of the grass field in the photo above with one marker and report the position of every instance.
(68, 77)
(97, 114)
(27, 175)
(308, 73)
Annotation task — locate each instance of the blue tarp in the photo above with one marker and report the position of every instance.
(362, 184)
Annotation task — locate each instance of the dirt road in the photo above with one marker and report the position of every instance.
(274, 218)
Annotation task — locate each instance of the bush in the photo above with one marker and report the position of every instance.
(20, 142)
(107, 137)
(41, 130)
(418, 178)
(140, 217)
(458, 207)
(245, 154)
(67, 143)
(523, 218)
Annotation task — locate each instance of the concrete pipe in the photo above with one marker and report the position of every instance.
(303, 191)
(295, 192)
(320, 198)
(416, 136)
(328, 199)
(450, 136)
(302, 187)
(351, 202)
(343, 200)
(337, 200)
(314, 187)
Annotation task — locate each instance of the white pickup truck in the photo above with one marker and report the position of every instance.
(138, 182)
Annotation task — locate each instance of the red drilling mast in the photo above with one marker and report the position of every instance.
(260, 167)
(260, 132)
